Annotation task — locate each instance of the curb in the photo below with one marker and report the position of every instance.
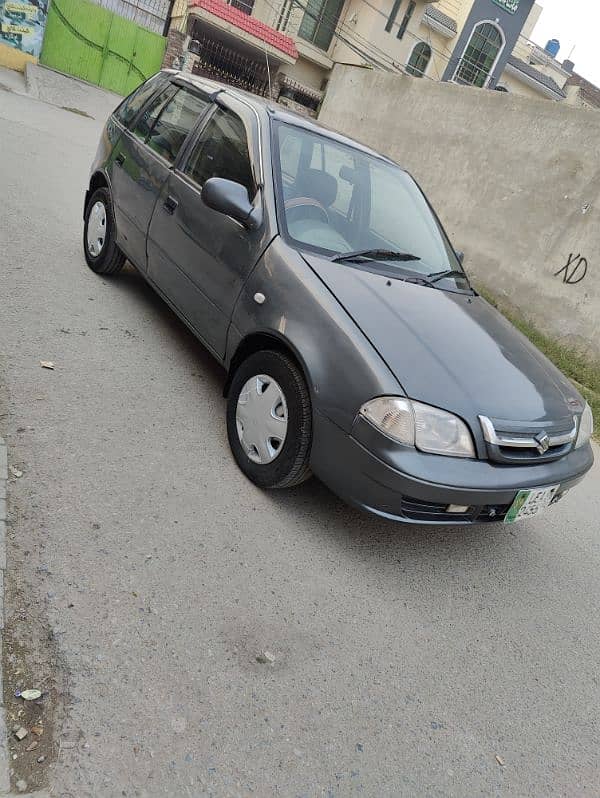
(33, 70)
(33, 88)
(31, 83)
(4, 758)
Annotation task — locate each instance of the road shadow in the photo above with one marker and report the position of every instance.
(432, 561)
(312, 505)
(141, 293)
(346, 523)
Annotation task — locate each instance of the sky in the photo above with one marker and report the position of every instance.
(573, 23)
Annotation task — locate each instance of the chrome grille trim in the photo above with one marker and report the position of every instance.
(526, 442)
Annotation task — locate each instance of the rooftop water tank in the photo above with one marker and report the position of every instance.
(553, 47)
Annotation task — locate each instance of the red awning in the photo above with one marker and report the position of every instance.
(248, 24)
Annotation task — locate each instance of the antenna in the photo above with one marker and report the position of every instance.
(268, 70)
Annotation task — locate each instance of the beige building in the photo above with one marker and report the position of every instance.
(529, 70)
(288, 47)
(297, 42)
(534, 72)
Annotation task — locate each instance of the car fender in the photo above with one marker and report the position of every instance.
(100, 166)
(341, 367)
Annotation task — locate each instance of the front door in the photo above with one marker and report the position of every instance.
(142, 161)
(197, 257)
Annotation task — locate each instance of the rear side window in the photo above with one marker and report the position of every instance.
(290, 151)
(131, 106)
(222, 151)
(174, 122)
(152, 111)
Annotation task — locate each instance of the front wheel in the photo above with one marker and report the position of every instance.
(269, 420)
(102, 254)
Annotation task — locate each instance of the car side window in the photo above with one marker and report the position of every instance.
(174, 122)
(152, 111)
(132, 105)
(222, 151)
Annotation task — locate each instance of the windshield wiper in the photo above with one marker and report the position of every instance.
(436, 276)
(374, 254)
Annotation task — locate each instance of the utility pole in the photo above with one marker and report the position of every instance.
(168, 19)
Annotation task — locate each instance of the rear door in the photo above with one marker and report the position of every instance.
(143, 158)
(200, 258)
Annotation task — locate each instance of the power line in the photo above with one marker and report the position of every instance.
(362, 45)
(407, 32)
(357, 43)
(362, 40)
(430, 45)
(401, 69)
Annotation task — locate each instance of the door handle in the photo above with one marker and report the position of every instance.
(170, 204)
(120, 159)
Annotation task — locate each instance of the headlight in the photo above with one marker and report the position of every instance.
(415, 424)
(586, 428)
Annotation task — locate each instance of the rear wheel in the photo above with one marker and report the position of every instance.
(269, 420)
(102, 254)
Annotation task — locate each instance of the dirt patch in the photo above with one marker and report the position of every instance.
(27, 665)
(30, 658)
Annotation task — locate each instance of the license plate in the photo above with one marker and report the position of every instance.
(531, 502)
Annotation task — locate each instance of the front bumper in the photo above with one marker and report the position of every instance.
(406, 485)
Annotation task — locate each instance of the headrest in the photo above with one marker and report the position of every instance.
(317, 184)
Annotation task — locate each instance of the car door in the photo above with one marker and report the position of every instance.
(200, 258)
(143, 158)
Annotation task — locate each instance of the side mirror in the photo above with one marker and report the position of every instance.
(460, 256)
(225, 196)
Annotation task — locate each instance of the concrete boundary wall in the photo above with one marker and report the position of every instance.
(516, 182)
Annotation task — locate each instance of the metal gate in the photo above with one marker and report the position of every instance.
(95, 44)
(218, 61)
(150, 14)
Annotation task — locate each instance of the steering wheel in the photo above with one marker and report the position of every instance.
(307, 202)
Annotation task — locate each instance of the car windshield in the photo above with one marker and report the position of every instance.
(339, 201)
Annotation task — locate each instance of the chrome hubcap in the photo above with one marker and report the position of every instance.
(96, 229)
(261, 418)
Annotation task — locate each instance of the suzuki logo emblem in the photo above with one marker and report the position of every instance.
(543, 442)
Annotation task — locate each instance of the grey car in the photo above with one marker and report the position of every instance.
(318, 275)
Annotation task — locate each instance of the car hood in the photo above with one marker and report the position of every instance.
(451, 350)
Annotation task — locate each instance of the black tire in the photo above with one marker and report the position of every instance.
(110, 259)
(291, 465)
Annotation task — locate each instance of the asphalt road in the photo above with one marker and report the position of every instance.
(146, 574)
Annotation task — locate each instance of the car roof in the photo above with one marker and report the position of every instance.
(272, 110)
